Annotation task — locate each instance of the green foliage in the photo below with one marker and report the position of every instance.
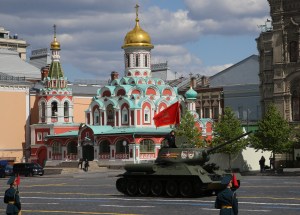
(274, 133)
(188, 129)
(228, 128)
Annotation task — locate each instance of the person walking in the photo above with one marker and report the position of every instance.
(262, 163)
(80, 163)
(171, 139)
(12, 198)
(226, 200)
(86, 165)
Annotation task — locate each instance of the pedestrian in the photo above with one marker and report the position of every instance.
(86, 165)
(12, 198)
(171, 139)
(262, 163)
(80, 163)
(272, 167)
(226, 200)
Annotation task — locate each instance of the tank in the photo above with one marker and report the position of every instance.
(176, 172)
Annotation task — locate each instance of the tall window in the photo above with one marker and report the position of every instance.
(96, 117)
(206, 112)
(124, 116)
(110, 114)
(66, 109)
(54, 109)
(295, 106)
(146, 60)
(137, 60)
(147, 114)
(43, 111)
(147, 145)
(127, 60)
(215, 112)
(56, 148)
(294, 51)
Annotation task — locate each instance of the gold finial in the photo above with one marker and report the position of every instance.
(55, 45)
(137, 12)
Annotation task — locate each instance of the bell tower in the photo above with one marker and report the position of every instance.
(137, 47)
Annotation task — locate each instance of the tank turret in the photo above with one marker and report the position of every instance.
(176, 171)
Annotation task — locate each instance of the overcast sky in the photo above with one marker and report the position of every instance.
(194, 36)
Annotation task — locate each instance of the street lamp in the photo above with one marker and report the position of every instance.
(124, 144)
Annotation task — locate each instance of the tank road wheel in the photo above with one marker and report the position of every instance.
(171, 188)
(132, 187)
(121, 185)
(144, 187)
(186, 188)
(156, 188)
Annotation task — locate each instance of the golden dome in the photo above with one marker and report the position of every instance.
(137, 36)
(55, 45)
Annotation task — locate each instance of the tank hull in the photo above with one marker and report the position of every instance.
(170, 180)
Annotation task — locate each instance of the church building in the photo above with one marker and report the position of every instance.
(119, 123)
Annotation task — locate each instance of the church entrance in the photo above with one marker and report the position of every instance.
(88, 152)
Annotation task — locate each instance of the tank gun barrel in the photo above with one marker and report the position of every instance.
(209, 151)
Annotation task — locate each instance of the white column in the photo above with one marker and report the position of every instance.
(64, 152)
(112, 148)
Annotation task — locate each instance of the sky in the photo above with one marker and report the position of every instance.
(195, 36)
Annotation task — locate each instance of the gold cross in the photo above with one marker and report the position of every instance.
(137, 11)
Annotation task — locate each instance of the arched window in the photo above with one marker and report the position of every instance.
(54, 109)
(96, 117)
(56, 148)
(66, 109)
(110, 114)
(43, 111)
(147, 115)
(124, 116)
(147, 145)
(104, 147)
(120, 148)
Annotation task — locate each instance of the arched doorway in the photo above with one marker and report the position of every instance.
(42, 156)
(88, 152)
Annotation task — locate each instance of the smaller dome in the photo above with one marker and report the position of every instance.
(55, 45)
(191, 94)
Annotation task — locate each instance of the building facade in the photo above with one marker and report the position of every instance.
(278, 46)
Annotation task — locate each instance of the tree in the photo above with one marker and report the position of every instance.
(188, 130)
(273, 134)
(228, 128)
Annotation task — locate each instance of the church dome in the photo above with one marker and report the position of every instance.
(137, 36)
(191, 94)
(55, 45)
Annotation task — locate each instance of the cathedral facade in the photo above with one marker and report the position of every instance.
(278, 47)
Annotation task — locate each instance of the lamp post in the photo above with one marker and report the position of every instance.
(124, 144)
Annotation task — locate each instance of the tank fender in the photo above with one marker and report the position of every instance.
(140, 167)
(200, 172)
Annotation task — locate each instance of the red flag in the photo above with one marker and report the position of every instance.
(18, 180)
(168, 116)
(235, 183)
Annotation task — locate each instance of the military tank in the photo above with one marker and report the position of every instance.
(176, 172)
